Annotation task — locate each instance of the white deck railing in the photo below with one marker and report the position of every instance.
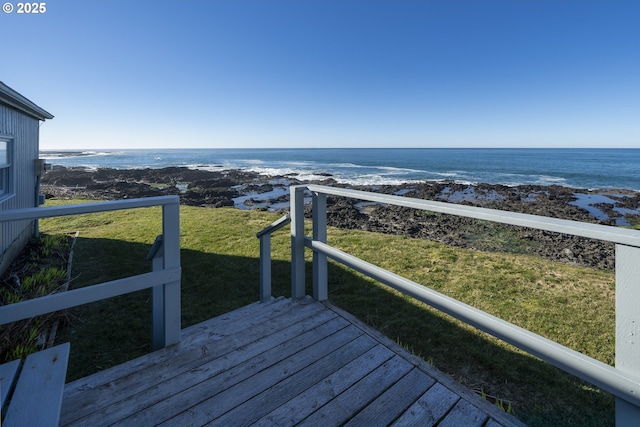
(164, 279)
(265, 256)
(623, 381)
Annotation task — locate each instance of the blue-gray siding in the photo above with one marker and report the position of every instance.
(24, 131)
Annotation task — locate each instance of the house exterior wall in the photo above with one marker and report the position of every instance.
(23, 132)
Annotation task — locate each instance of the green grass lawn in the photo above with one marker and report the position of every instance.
(219, 256)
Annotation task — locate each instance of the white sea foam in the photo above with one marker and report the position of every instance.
(546, 179)
(99, 153)
(64, 154)
(396, 169)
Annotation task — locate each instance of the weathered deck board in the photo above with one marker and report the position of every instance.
(282, 392)
(339, 409)
(213, 330)
(188, 368)
(280, 363)
(393, 402)
(331, 384)
(39, 389)
(8, 375)
(464, 413)
(235, 390)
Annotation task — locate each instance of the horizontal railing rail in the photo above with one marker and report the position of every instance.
(86, 208)
(584, 367)
(165, 277)
(594, 231)
(623, 381)
(75, 297)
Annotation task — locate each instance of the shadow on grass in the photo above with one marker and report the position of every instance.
(107, 333)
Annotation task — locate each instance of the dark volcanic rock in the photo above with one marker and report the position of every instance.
(482, 235)
(217, 189)
(208, 197)
(169, 175)
(258, 188)
(72, 177)
(126, 190)
(343, 213)
(212, 183)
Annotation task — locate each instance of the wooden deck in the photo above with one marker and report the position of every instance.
(280, 363)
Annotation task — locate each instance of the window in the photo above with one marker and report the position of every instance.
(5, 167)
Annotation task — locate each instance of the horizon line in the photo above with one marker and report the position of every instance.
(341, 148)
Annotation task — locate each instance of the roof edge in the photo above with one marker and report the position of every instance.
(13, 99)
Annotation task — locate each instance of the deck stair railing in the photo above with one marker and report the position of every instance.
(623, 380)
(265, 255)
(164, 279)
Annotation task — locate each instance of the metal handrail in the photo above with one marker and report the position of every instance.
(623, 381)
(167, 276)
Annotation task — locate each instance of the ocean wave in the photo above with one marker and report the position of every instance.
(298, 163)
(100, 153)
(209, 167)
(378, 181)
(73, 154)
(394, 169)
(347, 165)
(287, 171)
(397, 169)
(446, 174)
(546, 179)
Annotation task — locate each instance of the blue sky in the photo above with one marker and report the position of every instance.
(178, 74)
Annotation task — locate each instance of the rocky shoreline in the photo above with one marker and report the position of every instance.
(248, 190)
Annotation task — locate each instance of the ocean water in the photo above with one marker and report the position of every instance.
(577, 168)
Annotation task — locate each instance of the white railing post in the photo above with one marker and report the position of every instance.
(265, 256)
(157, 296)
(320, 291)
(627, 326)
(297, 242)
(265, 267)
(171, 258)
